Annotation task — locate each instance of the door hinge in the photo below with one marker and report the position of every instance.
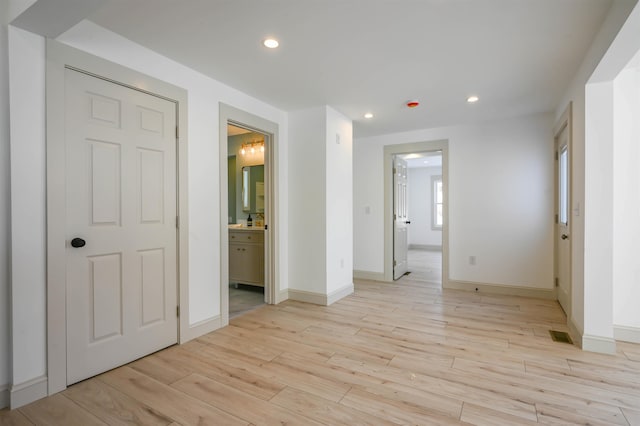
(556, 218)
(177, 132)
(394, 170)
(395, 263)
(177, 222)
(557, 282)
(556, 155)
(177, 311)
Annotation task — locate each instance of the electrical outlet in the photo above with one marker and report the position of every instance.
(472, 260)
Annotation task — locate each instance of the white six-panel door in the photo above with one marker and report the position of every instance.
(400, 218)
(121, 201)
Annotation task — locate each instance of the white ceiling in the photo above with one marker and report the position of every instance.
(362, 56)
(423, 159)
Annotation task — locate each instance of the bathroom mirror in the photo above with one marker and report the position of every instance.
(253, 188)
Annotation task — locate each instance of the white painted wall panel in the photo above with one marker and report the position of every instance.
(339, 206)
(5, 207)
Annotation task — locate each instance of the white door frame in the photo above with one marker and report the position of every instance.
(60, 57)
(565, 121)
(229, 114)
(387, 167)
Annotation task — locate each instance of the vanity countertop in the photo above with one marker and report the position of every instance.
(240, 227)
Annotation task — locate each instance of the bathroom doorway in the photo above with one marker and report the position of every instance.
(246, 218)
(249, 236)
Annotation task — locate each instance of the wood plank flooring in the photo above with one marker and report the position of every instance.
(391, 353)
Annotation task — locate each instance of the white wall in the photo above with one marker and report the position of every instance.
(500, 200)
(28, 190)
(5, 209)
(575, 93)
(420, 196)
(321, 227)
(339, 195)
(307, 220)
(204, 96)
(626, 198)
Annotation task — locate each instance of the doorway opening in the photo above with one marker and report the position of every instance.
(418, 216)
(249, 254)
(246, 218)
(424, 246)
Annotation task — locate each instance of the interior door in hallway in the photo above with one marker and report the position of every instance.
(400, 217)
(562, 235)
(121, 254)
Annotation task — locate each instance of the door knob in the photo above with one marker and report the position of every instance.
(78, 242)
(564, 236)
(407, 222)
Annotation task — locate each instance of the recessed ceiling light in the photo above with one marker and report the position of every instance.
(426, 161)
(368, 115)
(271, 43)
(473, 99)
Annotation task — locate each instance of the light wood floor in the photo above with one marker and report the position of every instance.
(400, 353)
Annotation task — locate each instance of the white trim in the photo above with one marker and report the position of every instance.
(272, 236)
(427, 247)
(308, 297)
(388, 152)
(368, 275)
(58, 57)
(282, 296)
(201, 328)
(604, 345)
(4, 396)
(320, 298)
(508, 290)
(626, 334)
(575, 333)
(340, 293)
(27, 392)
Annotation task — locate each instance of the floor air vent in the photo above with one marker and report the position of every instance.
(560, 336)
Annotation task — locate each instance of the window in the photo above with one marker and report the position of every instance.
(437, 199)
(563, 190)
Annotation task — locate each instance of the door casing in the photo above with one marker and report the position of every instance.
(387, 167)
(59, 57)
(232, 115)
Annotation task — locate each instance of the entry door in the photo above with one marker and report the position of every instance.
(400, 219)
(121, 224)
(563, 242)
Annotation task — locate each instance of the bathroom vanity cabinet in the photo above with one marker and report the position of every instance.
(246, 256)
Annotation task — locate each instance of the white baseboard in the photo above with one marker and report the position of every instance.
(201, 328)
(508, 290)
(4, 396)
(282, 296)
(626, 334)
(27, 392)
(308, 296)
(367, 275)
(575, 333)
(428, 247)
(338, 294)
(604, 345)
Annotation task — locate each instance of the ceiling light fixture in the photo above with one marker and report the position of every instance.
(251, 147)
(368, 115)
(271, 43)
(413, 103)
(473, 99)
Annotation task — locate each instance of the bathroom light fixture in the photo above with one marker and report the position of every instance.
(473, 99)
(271, 43)
(251, 147)
(368, 115)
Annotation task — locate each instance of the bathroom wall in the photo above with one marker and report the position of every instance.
(243, 160)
